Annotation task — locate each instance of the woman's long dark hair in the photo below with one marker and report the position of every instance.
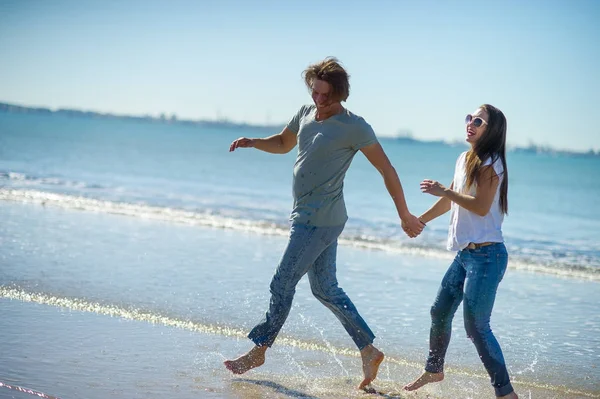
(492, 144)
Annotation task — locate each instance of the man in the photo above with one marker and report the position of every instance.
(328, 137)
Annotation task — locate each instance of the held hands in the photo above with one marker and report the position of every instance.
(412, 226)
(242, 142)
(433, 187)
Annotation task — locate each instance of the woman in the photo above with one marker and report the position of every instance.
(477, 198)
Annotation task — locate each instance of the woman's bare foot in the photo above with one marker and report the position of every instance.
(254, 358)
(371, 359)
(511, 395)
(424, 379)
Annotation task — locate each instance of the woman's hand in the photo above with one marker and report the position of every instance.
(433, 187)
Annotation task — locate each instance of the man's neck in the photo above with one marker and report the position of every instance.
(329, 112)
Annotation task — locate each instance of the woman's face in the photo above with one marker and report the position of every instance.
(476, 125)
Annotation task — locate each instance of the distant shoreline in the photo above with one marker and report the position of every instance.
(20, 109)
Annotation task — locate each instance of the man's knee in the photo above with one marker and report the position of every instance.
(282, 287)
(439, 312)
(476, 327)
(327, 294)
(320, 294)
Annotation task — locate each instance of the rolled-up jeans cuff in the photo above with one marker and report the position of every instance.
(363, 343)
(505, 390)
(261, 341)
(434, 368)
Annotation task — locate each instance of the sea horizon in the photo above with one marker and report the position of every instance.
(224, 122)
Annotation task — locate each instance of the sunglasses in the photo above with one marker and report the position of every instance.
(477, 121)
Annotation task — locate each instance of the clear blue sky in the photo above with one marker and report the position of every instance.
(414, 65)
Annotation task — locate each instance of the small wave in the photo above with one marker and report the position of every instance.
(207, 219)
(24, 179)
(116, 311)
(132, 313)
(27, 391)
(213, 219)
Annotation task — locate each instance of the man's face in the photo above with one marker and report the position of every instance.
(321, 92)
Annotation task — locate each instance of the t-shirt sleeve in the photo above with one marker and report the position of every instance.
(498, 168)
(294, 123)
(363, 136)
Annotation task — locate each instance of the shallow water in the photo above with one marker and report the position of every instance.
(184, 173)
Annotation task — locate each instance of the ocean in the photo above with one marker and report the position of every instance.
(136, 254)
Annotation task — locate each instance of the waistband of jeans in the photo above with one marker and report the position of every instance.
(482, 246)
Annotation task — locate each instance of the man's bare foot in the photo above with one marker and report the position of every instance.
(371, 359)
(424, 379)
(254, 358)
(511, 395)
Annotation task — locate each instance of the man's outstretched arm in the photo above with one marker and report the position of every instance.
(281, 143)
(378, 158)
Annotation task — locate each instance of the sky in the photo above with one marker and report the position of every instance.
(416, 67)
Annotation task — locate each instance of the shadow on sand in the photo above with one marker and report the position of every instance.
(292, 393)
(390, 395)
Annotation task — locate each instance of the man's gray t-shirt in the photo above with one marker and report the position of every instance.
(325, 151)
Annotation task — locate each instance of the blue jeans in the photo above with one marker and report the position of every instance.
(473, 276)
(310, 250)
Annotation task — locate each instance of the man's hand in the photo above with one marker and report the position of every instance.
(412, 226)
(242, 142)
